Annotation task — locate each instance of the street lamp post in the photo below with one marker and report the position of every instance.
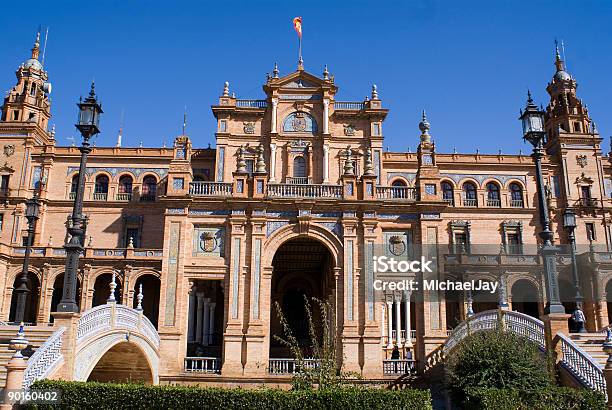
(533, 132)
(569, 222)
(89, 118)
(31, 214)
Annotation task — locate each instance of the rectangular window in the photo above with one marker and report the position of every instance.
(590, 231)
(16, 115)
(250, 166)
(134, 233)
(4, 184)
(460, 242)
(376, 129)
(223, 126)
(514, 243)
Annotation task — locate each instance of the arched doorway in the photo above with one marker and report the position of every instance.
(525, 298)
(302, 267)
(124, 362)
(58, 290)
(102, 289)
(32, 299)
(150, 292)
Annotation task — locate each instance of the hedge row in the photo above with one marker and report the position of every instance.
(554, 398)
(101, 396)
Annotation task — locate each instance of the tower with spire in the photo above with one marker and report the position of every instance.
(573, 143)
(28, 102)
(566, 115)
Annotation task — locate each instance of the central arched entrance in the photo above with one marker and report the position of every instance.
(302, 267)
(122, 363)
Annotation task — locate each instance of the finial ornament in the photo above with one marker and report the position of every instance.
(226, 89)
(374, 92)
(275, 71)
(607, 345)
(131, 243)
(369, 167)
(300, 63)
(139, 298)
(424, 127)
(113, 286)
(36, 48)
(325, 73)
(19, 342)
(241, 163)
(260, 166)
(349, 169)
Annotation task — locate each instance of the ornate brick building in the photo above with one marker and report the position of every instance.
(293, 200)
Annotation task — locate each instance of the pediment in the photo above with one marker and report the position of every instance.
(299, 79)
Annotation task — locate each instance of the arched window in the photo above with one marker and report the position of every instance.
(469, 194)
(149, 188)
(74, 186)
(125, 188)
(493, 198)
(516, 195)
(447, 193)
(101, 188)
(299, 170)
(399, 189)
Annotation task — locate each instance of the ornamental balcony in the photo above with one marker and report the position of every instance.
(304, 191)
(251, 103)
(349, 105)
(200, 188)
(396, 192)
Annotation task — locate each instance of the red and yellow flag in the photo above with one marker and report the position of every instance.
(297, 24)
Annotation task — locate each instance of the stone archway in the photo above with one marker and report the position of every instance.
(150, 301)
(526, 298)
(302, 267)
(58, 290)
(127, 354)
(124, 362)
(101, 289)
(32, 299)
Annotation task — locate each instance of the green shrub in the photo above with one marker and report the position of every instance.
(101, 396)
(496, 359)
(553, 398)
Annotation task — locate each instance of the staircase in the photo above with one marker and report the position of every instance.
(591, 343)
(36, 336)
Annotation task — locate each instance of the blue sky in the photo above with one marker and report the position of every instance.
(467, 63)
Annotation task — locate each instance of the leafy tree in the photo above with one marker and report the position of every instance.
(496, 359)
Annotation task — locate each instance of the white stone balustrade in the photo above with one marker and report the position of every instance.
(45, 359)
(200, 188)
(396, 192)
(304, 191)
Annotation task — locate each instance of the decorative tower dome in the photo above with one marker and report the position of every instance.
(561, 74)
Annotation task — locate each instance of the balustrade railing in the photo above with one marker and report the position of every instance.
(203, 364)
(210, 188)
(470, 202)
(113, 316)
(494, 203)
(396, 192)
(348, 105)
(399, 366)
(516, 322)
(579, 363)
(252, 103)
(44, 360)
(304, 191)
(100, 196)
(516, 203)
(290, 366)
(124, 196)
